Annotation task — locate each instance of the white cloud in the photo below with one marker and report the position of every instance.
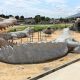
(51, 8)
(55, 1)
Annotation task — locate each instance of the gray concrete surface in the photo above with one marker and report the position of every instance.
(71, 72)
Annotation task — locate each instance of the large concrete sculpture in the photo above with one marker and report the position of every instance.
(3, 42)
(41, 51)
(66, 38)
(20, 34)
(76, 26)
(7, 22)
(32, 52)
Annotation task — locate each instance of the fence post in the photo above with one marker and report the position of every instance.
(12, 40)
(38, 36)
(21, 40)
(32, 37)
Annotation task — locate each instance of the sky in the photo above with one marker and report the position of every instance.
(48, 8)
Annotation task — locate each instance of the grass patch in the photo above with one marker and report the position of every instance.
(37, 28)
(17, 28)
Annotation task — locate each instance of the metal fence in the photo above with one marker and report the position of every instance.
(34, 37)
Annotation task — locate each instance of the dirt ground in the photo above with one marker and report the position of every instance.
(37, 39)
(25, 71)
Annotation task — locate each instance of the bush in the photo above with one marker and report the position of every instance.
(17, 29)
(39, 28)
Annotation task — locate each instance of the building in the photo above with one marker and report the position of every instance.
(52, 21)
(29, 21)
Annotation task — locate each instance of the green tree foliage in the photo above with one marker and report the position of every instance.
(43, 18)
(10, 15)
(47, 19)
(21, 17)
(61, 20)
(17, 17)
(37, 18)
(2, 15)
(6, 16)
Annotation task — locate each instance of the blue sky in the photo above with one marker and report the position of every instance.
(30, 8)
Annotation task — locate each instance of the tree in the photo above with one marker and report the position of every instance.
(21, 17)
(2, 15)
(10, 15)
(6, 16)
(37, 18)
(47, 19)
(61, 20)
(66, 20)
(43, 18)
(17, 17)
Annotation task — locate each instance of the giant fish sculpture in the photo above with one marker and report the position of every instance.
(20, 34)
(7, 22)
(39, 52)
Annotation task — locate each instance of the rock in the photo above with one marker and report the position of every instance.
(76, 26)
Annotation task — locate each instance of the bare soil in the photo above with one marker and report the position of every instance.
(25, 71)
